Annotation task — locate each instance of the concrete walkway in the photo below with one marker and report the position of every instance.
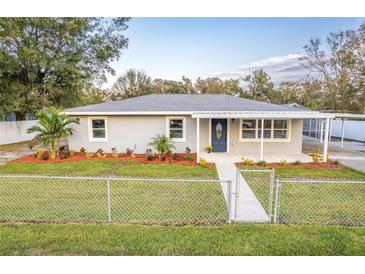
(249, 207)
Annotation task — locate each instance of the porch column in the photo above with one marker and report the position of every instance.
(342, 131)
(262, 141)
(330, 132)
(198, 140)
(325, 145)
(310, 127)
(321, 133)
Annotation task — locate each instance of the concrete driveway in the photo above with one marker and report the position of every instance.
(351, 155)
(13, 151)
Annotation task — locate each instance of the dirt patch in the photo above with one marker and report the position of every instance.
(328, 165)
(140, 158)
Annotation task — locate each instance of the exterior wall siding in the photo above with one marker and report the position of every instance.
(137, 131)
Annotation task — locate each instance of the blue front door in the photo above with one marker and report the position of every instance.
(219, 135)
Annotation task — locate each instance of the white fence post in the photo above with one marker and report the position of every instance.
(229, 200)
(237, 195)
(108, 193)
(276, 205)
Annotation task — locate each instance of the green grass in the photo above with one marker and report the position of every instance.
(74, 200)
(315, 203)
(242, 239)
(341, 172)
(111, 167)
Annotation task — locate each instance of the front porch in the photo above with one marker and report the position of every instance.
(270, 138)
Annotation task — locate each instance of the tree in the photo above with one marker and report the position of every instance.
(259, 87)
(50, 61)
(94, 95)
(132, 83)
(215, 85)
(341, 63)
(52, 126)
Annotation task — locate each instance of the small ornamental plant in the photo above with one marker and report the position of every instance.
(89, 154)
(149, 154)
(100, 153)
(188, 158)
(82, 150)
(129, 151)
(297, 163)
(187, 150)
(176, 157)
(248, 162)
(262, 163)
(39, 153)
(52, 155)
(115, 153)
(72, 152)
(202, 162)
(209, 149)
(283, 162)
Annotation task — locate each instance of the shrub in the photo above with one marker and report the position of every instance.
(202, 162)
(247, 162)
(336, 162)
(316, 155)
(297, 163)
(129, 151)
(262, 163)
(187, 150)
(72, 152)
(39, 153)
(82, 150)
(209, 149)
(188, 158)
(115, 153)
(45, 155)
(149, 155)
(52, 155)
(162, 144)
(89, 154)
(176, 157)
(283, 162)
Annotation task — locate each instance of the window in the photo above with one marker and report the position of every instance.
(98, 129)
(176, 128)
(280, 129)
(267, 129)
(250, 130)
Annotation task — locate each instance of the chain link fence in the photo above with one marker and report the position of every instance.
(324, 202)
(115, 199)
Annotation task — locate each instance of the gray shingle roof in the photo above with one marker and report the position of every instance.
(183, 102)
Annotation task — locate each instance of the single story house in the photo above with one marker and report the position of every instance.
(232, 125)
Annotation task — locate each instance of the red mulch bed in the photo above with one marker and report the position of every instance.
(328, 165)
(140, 158)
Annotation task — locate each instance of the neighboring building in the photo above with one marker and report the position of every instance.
(232, 125)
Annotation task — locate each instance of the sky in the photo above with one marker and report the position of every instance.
(170, 48)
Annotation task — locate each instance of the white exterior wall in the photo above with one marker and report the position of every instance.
(129, 131)
(15, 131)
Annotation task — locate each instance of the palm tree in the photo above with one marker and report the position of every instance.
(162, 144)
(52, 125)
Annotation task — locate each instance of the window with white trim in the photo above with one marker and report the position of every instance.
(176, 128)
(274, 129)
(98, 131)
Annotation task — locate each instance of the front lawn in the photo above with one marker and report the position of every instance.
(240, 239)
(111, 167)
(85, 200)
(314, 203)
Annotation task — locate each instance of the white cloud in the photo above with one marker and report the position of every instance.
(280, 68)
